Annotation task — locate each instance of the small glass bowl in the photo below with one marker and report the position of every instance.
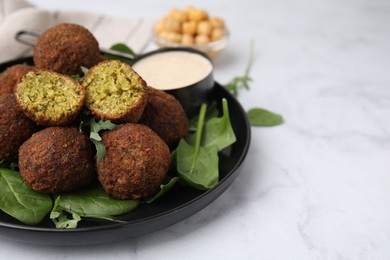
(212, 49)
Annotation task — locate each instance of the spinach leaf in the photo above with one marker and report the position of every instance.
(219, 131)
(88, 203)
(121, 47)
(117, 51)
(163, 189)
(21, 202)
(263, 117)
(196, 165)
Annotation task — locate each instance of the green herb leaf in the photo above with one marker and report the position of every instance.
(60, 219)
(242, 81)
(163, 189)
(21, 202)
(218, 131)
(121, 47)
(263, 117)
(89, 203)
(196, 165)
(84, 70)
(95, 128)
(77, 77)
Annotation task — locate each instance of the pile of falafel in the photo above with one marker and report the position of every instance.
(40, 109)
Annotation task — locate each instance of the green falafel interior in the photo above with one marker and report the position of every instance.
(113, 88)
(50, 98)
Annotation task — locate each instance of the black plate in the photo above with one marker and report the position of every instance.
(178, 204)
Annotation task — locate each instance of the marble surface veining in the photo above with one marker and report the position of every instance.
(316, 187)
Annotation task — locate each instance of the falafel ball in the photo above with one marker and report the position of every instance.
(165, 116)
(15, 128)
(65, 47)
(11, 77)
(57, 159)
(135, 164)
(49, 98)
(114, 91)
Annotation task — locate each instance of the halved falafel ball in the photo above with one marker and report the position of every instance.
(57, 159)
(165, 116)
(15, 128)
(135, 164)
(49, 98)
(65, 47)
(11, 77)
(114, 91)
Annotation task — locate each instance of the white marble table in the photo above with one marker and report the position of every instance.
(317, 187)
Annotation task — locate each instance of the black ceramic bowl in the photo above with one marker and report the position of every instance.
(191, 95)
(178, 204)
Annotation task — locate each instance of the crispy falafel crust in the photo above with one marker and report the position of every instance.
(49, 98)
(12, 76)
(66, 47)
(135, 164)
(165, 116)
(15, 128)
(57, 159)
(114, 91)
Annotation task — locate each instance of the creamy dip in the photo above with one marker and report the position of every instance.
(173, 69)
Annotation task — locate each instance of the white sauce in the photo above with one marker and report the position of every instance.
(173, 69)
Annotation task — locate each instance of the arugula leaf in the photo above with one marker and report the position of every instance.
(94, 129)
(263, 117)
(21, 202)
(242, 81)
(88, 203)
(219, 131)
(60, 219)
(196, 165)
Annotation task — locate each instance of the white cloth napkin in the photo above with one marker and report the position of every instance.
(18, 15)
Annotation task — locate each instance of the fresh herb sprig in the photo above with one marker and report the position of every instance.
(242, 81)
(256, 116)
(94, 128)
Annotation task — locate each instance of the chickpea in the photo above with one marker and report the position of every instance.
(178, 15)
(171, 36)
(187, 39)
(197, 15)
(172, 25)
(189, 27)
(204, 27)
(159, 27)
(202, 39)
(217, 34)
(217, 22)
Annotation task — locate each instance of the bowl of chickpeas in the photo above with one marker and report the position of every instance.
(191, 27)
